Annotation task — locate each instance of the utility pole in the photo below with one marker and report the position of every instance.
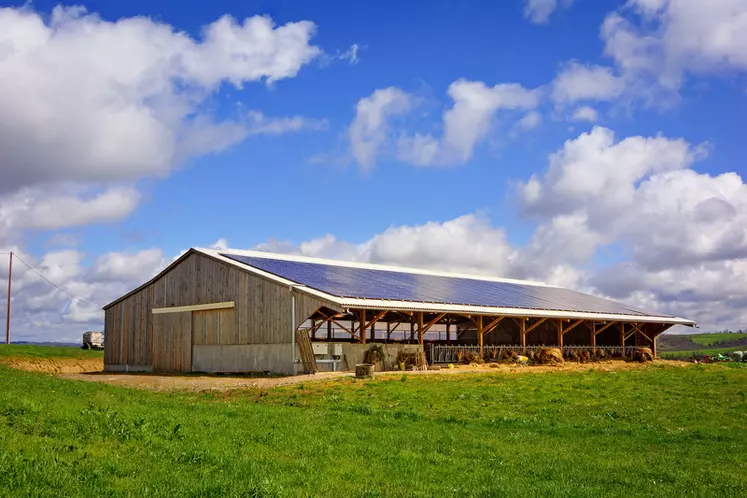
(7, 315)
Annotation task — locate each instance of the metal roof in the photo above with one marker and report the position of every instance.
(358, 285)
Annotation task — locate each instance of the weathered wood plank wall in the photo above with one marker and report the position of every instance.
(172, 346)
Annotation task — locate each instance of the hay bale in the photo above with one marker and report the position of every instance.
(643, 355)
(550, 356)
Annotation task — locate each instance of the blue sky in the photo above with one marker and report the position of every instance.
(298, 185)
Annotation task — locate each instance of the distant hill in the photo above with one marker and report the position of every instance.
(701, 344)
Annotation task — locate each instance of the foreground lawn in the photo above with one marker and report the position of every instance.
(658, 431)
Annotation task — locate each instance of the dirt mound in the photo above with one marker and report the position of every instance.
(643, 355)
(550, 356)
(56, 365)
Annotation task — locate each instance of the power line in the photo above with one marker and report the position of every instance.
(54, 284)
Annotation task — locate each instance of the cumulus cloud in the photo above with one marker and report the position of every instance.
(539, 11)
(529, 122)
(585, 113)
(40, 208)
(370, 127)
(84, 99)
(670, 38)
(654, 45)
(89, 106)
(467, 122)
(577, 82)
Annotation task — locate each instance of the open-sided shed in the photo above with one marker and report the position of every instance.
(241, 311)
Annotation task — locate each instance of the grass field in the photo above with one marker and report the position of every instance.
(658, 430)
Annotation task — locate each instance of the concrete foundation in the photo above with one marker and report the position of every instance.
(128, 368)
(275, 358)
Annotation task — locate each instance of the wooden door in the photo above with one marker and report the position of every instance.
(172, 342)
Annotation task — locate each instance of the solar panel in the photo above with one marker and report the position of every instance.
(366, 283)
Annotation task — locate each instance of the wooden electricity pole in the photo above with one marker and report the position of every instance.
(7, 314)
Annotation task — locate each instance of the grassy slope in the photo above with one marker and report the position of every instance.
(708, 339)
(30, 351)
(667, 431)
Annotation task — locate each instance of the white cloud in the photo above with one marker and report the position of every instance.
(654, 45)
(133, 268)
(674, 37)
(86, 100)
(467, 122)
(539, 11)
(585, 113)
(529, 122)
(351, 54)
(577, 82)
(370, 127)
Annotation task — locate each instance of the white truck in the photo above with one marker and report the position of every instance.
(93, 340)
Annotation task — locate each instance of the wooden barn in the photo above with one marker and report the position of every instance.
(248, 311)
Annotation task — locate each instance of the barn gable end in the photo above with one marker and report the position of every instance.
(252, 333)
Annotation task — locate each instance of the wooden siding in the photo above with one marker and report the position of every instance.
(172, 342)
(215, 327)
(262, 313)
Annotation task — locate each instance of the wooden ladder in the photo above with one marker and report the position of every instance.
(307, 352)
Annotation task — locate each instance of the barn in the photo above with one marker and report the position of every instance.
(247, 311)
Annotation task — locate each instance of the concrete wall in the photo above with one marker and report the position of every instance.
(274, 358)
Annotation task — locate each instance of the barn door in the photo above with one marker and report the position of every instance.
(172, 342)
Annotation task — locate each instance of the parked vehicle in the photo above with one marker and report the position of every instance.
(93, 340)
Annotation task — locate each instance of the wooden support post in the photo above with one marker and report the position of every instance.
(523, 332)
(363, 326)
(412, 329)
(388, 331)
(448, 333)
(373, 331)
(480, 331)
(560, 334)
(421, 330)
(622, 338)
(313, 329)
(330, 334)
(594, 338)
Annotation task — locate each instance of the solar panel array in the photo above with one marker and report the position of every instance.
(365, 283)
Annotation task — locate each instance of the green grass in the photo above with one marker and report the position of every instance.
(52, 352)
(708, 339)
(658, 431)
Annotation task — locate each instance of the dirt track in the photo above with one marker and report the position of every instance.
(91, 370)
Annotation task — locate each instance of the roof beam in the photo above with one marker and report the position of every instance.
(493, 325)
(430, 324)
(535, 325)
